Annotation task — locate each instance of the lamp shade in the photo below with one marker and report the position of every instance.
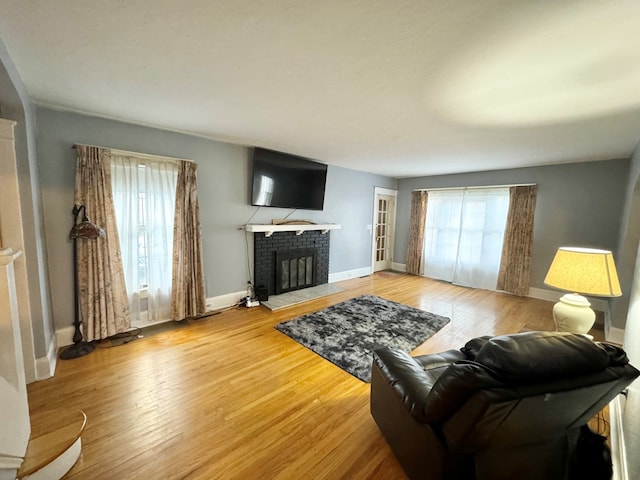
(586, 271)
(86, 229)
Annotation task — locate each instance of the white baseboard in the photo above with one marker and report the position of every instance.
(544, 294)
(612, 334)
(554, 296)
(398, 267)
(616, 436)
(539, 293)
(346, 275)
(8, 474)
(615, 335)
(225, 300)
(46, 366)
(64, 336)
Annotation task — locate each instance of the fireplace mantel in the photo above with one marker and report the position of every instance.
(298, 228)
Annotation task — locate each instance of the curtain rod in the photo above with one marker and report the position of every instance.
(148, 156)
(474, 187)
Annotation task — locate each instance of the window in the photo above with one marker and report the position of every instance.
(144, 192)
(464, 234)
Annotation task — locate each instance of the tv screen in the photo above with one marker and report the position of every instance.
(287, 181)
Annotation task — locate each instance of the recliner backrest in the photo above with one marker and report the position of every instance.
(541, 356)
(524, 386)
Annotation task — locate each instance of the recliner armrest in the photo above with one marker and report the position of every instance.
(454, 387)
(406, 377)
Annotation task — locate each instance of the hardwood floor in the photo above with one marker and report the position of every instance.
(230, 397)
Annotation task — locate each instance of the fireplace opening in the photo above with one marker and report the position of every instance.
(295, 269)
(289, 245)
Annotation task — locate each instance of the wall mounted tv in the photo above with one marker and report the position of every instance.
(287, 181)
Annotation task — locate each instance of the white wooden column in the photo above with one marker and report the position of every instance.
(11, 235)
(14, 408)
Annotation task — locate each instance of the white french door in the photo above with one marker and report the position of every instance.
(464, 234)
(384, 229)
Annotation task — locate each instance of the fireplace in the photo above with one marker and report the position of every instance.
(286, 261)
(295, 269)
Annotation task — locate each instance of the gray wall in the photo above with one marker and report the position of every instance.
(578, 204)
(627, 308)
(223, 192)
(627, 248)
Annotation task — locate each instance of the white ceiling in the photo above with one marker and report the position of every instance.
(397, 87)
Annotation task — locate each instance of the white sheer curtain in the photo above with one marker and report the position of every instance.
(144, 195)
(464, 234)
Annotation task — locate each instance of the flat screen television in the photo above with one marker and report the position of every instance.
(287, 181)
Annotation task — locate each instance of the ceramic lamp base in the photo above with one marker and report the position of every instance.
(573, 313)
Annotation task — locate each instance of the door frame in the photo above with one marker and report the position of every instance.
(392, 193)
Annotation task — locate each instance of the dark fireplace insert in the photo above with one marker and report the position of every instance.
(295, 269)
(286, 261)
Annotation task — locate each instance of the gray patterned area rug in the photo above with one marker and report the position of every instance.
(347, 333)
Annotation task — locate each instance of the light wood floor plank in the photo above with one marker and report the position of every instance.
(230, 397)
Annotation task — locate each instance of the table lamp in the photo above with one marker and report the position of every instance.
(582, 271)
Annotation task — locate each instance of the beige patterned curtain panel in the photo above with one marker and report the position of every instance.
(417, 221)
(188, 296)
(102, 293)
(104, 303)
(515, 266)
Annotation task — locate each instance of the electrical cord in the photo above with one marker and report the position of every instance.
(251, 217)
(292, 211)
(249, 273)
(223, 309)
(601, 424)
(246, 243)
(122, 338)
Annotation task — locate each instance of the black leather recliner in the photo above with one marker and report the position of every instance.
(506, 407)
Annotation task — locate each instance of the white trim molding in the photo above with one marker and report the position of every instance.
(225, 300)
(398, 267)
(291, 227)
(64, 336)
(385, 191)
(615, 335)
(60, 465)
(346, 275)
(554, 296)
(9, 465)
(612, 334)
(616, 436)
(46, 366)
(391, 193)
